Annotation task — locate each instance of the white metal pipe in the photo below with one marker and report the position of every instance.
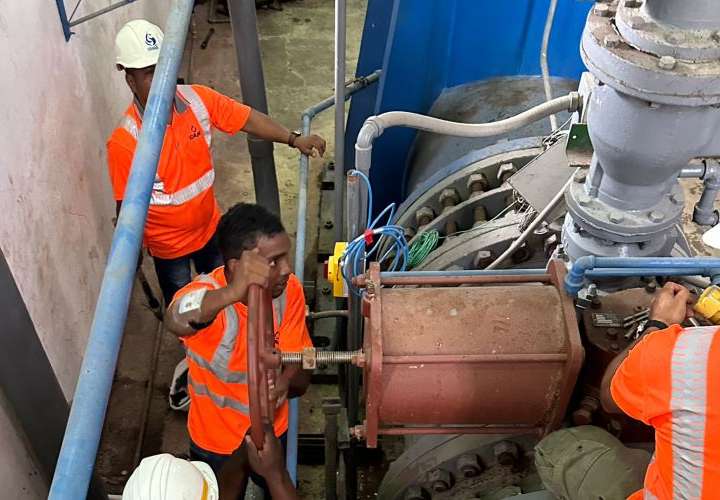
(544, 58)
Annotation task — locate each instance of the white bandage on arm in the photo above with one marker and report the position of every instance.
(191, 301)
(186, 309)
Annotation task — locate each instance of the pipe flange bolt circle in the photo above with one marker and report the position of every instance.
(611, 223)
(642, 74)
(640, 30)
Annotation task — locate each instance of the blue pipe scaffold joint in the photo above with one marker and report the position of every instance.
(605, 267)
(87, 414)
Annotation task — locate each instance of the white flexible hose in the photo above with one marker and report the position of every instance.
(390, 119)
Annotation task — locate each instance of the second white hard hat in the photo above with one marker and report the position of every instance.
(712, 237)
(137, 44)
(165, 477)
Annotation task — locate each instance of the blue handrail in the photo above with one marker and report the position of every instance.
(82, 435)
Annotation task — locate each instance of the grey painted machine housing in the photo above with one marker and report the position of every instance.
(655, 108)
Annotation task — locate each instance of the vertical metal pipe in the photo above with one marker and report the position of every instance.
(252, 82)
(302, 206)
(340, 28)
(82, 435)
(307, 117)
(544, 58)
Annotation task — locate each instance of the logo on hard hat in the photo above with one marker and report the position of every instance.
(151, 42)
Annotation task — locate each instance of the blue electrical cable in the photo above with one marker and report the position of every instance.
(366, 246)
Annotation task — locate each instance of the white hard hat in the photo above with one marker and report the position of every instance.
(137, 44)
(165, 477)
(712, 237)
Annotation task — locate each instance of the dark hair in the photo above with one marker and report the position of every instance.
(242, 225)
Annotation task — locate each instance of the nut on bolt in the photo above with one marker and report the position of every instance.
(505, 171)
(506, 452)
(616, 217)
(667, 62)
(424, 215)
(637, 22)
(449, 197)
(477, 183)
(416, 492)
(469, 465)
(612, 41)
(603, 10)
(441, 480)
(656, 216)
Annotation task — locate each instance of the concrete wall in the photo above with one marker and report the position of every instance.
(60, 102)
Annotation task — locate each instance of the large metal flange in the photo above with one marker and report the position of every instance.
(623, 226)
(465, 215)
(578, 242)
(476, 248)
(487, 161)
(658, 79)
(475, 464)
(644, 32)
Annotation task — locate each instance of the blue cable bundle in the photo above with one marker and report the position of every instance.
(365, 247)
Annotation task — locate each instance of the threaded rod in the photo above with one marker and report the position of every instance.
(322, 357)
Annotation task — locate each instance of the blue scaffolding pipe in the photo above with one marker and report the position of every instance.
(595, 267)
(82, 435)
(68, 24)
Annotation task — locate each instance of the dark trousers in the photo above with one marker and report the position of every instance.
(216, 462)
(173, 274)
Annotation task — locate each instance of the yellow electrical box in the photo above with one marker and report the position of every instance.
(708, 304)
(334, 273)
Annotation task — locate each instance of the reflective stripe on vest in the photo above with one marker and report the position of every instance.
(220, 363)
(128, 123)
(199, 109)
(219, 401)
(688, 407)
(185, 194)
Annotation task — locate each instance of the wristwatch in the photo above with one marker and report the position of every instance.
(653, 323)
(293, 135)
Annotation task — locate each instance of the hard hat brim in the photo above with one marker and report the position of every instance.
(141, 62)
(209, 475)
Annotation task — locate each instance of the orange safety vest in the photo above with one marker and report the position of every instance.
(671, 381)
(183, 212)
(217, 365)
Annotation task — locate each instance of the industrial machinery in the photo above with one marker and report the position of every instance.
(530, 255)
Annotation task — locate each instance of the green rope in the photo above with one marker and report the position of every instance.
(421, 248)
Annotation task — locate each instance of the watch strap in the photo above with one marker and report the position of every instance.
(653, 323)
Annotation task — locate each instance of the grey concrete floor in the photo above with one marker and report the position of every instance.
(297, 51)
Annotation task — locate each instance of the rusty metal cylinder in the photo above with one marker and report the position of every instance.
(469, 359)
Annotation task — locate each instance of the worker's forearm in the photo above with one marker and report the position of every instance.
(606, 399)
(262, 126)
(281, 486)
(214, 301)
(298, 380)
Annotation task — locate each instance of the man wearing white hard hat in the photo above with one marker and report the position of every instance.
(183, 211)
(165, 477)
